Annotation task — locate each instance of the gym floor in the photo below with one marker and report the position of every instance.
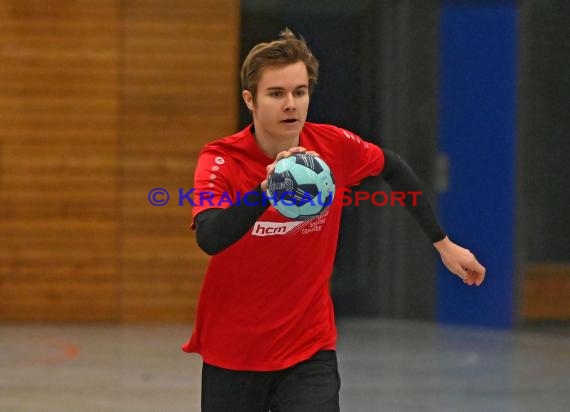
(384, 366)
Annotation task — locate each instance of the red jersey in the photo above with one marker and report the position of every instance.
(265, 302)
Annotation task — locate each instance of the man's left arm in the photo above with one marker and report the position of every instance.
(458, 260)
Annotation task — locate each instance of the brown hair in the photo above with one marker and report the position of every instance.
(286, 50)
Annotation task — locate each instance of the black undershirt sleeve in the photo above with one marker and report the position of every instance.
(401, 178)
(216, 229)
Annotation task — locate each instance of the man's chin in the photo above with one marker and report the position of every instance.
(291, 134)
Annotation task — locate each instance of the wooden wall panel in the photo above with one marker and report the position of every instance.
(58, 145)
(101, 101)
(180, 82)
(546, 292)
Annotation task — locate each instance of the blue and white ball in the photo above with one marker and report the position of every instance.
(301, 187)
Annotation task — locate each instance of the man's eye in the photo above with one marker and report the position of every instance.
(300, 93)
(275, 94)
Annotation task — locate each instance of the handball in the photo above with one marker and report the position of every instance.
(301, 186)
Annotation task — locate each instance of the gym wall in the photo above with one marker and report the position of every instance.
(102, 101)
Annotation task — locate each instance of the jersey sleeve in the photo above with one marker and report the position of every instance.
(212, 183)
(361, 159)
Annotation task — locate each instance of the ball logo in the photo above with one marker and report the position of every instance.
(219, 160)
(286, 184)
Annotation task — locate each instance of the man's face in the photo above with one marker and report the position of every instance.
(282, 101)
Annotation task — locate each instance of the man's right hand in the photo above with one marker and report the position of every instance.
(283, 155)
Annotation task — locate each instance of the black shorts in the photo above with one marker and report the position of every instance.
(309, 386)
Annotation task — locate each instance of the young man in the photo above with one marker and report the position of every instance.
(265, 325)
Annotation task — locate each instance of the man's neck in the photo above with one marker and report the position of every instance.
(271, 145)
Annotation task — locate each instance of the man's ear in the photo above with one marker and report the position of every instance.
(248, 99)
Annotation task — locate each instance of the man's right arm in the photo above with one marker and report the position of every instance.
(217, 229)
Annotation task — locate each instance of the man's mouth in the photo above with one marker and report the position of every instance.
(289, 121)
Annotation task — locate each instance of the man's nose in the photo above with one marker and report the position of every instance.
(289, 103)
